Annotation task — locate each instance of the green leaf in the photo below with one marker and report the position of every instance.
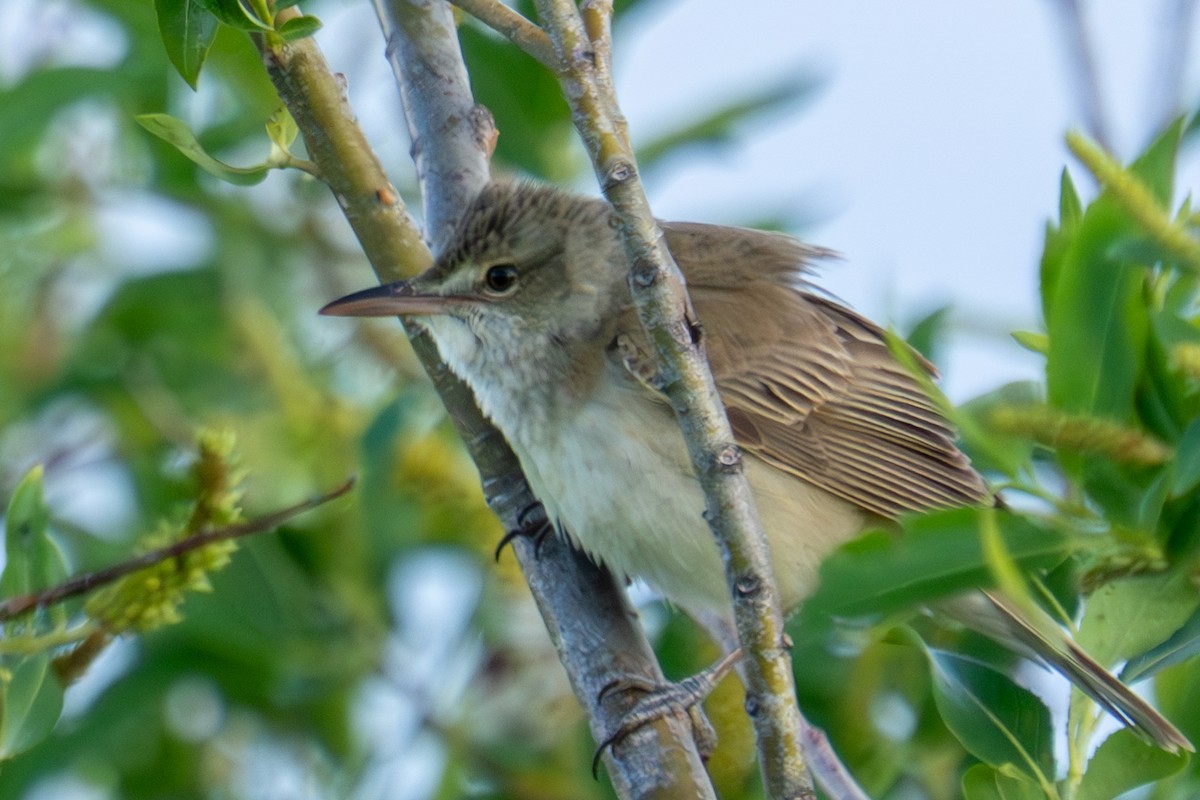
(720, 125)
(997, 721)
(1182, 645)
(282, 129)
(1156, 166)
(984, 782)
(1186, 468)
(1125, 762)
(176, 133)
(237, 14)
(32, 559)
(1097, 322)
(1058, 239)
(31, 705)
(1070, 209)
(939, 554)
(1128, 617)
(299, 28)
(536, 131)
(993, 449)
(1033, 341)
(926, 334)
(187, 29)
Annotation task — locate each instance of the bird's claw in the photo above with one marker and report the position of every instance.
(660, 699)
(532, 523)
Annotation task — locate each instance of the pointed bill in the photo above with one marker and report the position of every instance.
(389, 300)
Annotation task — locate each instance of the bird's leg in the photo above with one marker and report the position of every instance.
(532, 523)
(661, 699)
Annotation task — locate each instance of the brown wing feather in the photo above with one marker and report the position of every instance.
(814, 390)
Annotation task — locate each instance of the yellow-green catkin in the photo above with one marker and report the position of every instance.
(151, 597)
(1055, 428)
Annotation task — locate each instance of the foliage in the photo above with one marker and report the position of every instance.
(316, 645)
(1097, 470)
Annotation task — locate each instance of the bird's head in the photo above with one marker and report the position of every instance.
(531, 276)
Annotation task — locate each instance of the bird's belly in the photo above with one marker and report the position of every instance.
(631, 502)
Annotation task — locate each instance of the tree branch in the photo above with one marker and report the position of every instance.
(582, 41)
(514, 27)
(1087, 78)
(591, 624)
(81, 584)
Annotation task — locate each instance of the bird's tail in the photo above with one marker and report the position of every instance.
(1051, 645)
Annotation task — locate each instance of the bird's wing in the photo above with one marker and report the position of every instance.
(810, 386)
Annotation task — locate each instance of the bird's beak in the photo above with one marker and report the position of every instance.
(390, 300)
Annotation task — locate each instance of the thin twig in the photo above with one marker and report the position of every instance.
(81, 584)
(1083, 62)
(1166, 87)
(664, 309)
(511, 25)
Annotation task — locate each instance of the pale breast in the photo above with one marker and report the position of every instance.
(618, 481)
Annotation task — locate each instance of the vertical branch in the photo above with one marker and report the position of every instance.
(582, 40)
(452, 136)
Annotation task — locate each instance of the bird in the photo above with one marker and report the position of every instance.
(529, 305)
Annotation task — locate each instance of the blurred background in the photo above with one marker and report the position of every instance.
(371, 649)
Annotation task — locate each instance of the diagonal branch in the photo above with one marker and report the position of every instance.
(514, 27)
(582, 39)
(590, 622)
(82, 584)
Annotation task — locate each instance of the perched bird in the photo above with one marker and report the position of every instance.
(529, 306)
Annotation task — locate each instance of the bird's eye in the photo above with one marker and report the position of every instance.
(501, 278)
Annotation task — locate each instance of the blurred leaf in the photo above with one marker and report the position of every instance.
(939, 554)
(1186, 469)
(997, 721)
(237, 14)
(991, 449)
(282, 129)
(1070, 209)
(187, 29)
(27, 107)
(299, 28)
(927, 333)
(31, 704)
(1096, 321)
(1156, 166)
(536, 134)
(1130, 497)
(1127, 617)
(985, 782)
(32, 559)
(1058, 238)
(1124, 762)
(1182, 645)
(720, 126)
(167, 331)
(1033, 341)
(175, 132)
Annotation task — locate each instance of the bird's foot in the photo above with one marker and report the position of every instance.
(660, 699)
(533, 524)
